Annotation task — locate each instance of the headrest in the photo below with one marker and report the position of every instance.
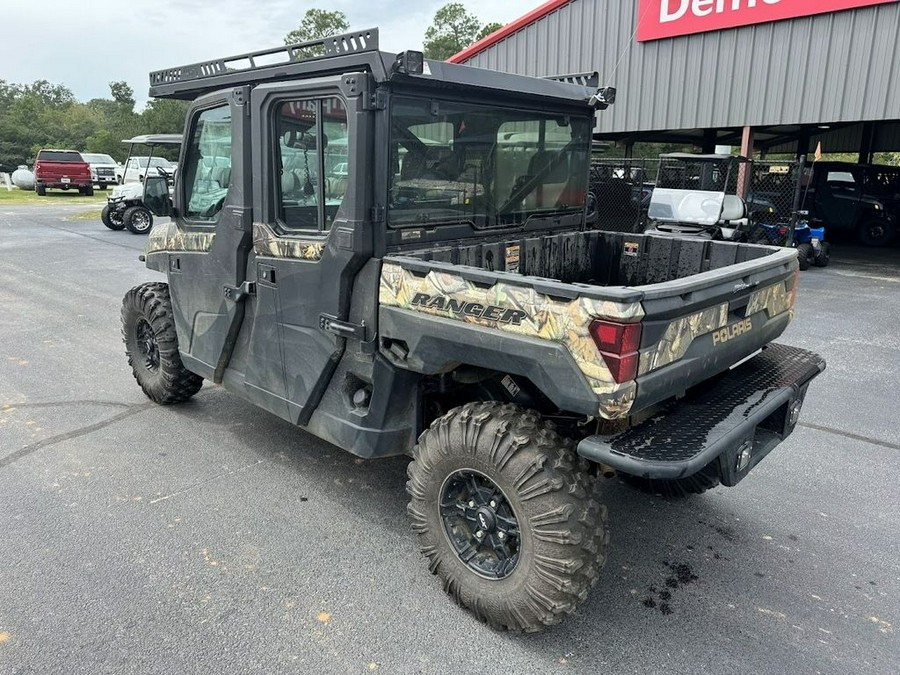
(733, 208)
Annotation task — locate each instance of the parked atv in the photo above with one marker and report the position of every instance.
(125, 206)
(812, 249)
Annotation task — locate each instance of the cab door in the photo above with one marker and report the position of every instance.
(312, 237)
(210, 237)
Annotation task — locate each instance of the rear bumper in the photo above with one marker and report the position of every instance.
(736, 421)
(57, 183)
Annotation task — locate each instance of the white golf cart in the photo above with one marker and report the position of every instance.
(125, 206)
(695, 195)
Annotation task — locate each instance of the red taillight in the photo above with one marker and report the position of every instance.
(782, 230)
(618, 344)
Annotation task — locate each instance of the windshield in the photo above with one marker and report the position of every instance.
(456, 162)
(692, 191)
(97, 159)
(154, 161)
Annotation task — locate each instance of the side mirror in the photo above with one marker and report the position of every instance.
(156, 196)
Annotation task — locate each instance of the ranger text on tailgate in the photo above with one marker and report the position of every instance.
(392, 254)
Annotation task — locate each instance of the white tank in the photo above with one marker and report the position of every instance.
(22, 178)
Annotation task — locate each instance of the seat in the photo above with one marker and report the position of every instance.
(547, 193)
(733, 208)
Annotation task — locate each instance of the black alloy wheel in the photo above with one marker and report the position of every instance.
(480, 523)
(147, 345)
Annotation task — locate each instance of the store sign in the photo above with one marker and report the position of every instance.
(668, 18)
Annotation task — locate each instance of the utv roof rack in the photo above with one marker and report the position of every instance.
(190, 81)
(591, 80)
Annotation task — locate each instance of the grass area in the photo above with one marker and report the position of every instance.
(55, 197)
(93, 214)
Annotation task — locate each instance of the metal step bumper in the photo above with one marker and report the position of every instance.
(736, 419)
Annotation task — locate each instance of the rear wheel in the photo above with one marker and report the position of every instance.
(806, 254)
(138, 219)
(506, 514)
(87, 191)
(112, 218)
(876, 232)
(148, 328)
(705, 479)
(823, 256)
(40, 189)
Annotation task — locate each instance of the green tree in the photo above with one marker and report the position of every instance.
(318, 23)
(488, 29)
(453, 29)
(164, 116)
(123, 95)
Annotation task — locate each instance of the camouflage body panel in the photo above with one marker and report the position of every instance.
(519, 310)
(268, 244)
(681, 333)
(170, 237)
(774, 300)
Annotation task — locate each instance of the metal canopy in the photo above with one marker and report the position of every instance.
(155, 139)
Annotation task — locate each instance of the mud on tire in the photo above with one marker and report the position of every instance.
(148, 329)
(546, 500)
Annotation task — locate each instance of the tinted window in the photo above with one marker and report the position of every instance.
(208, 164)
(312, 162)
(98, 159)
(59, 156)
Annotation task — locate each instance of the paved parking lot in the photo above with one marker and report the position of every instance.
(213, 537)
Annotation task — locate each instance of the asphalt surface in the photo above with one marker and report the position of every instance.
(213, 537)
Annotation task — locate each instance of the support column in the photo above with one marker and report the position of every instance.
(744, 175)
(866, 143)
(802, 144)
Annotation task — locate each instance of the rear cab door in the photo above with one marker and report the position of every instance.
(207, 243)
(311, 236)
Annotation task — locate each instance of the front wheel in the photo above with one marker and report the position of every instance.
(112, 218)
(876, 232)
(806, 254)
(823, 255)
(148, 329)
(138, 219)
(506, 514)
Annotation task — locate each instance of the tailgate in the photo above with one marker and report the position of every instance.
(57, 170)
(697, 327)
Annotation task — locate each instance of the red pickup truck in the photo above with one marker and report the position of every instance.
(64, 169)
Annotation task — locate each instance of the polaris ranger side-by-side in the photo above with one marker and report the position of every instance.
(392, 254)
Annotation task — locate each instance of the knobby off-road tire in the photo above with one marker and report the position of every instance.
(806, 254)
(823, 257)
(705, 479)
(545, 503)
(151, 345)
(138, 219)
(111, 219)
(875, 232)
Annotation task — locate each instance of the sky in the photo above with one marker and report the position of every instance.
(57, 41)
